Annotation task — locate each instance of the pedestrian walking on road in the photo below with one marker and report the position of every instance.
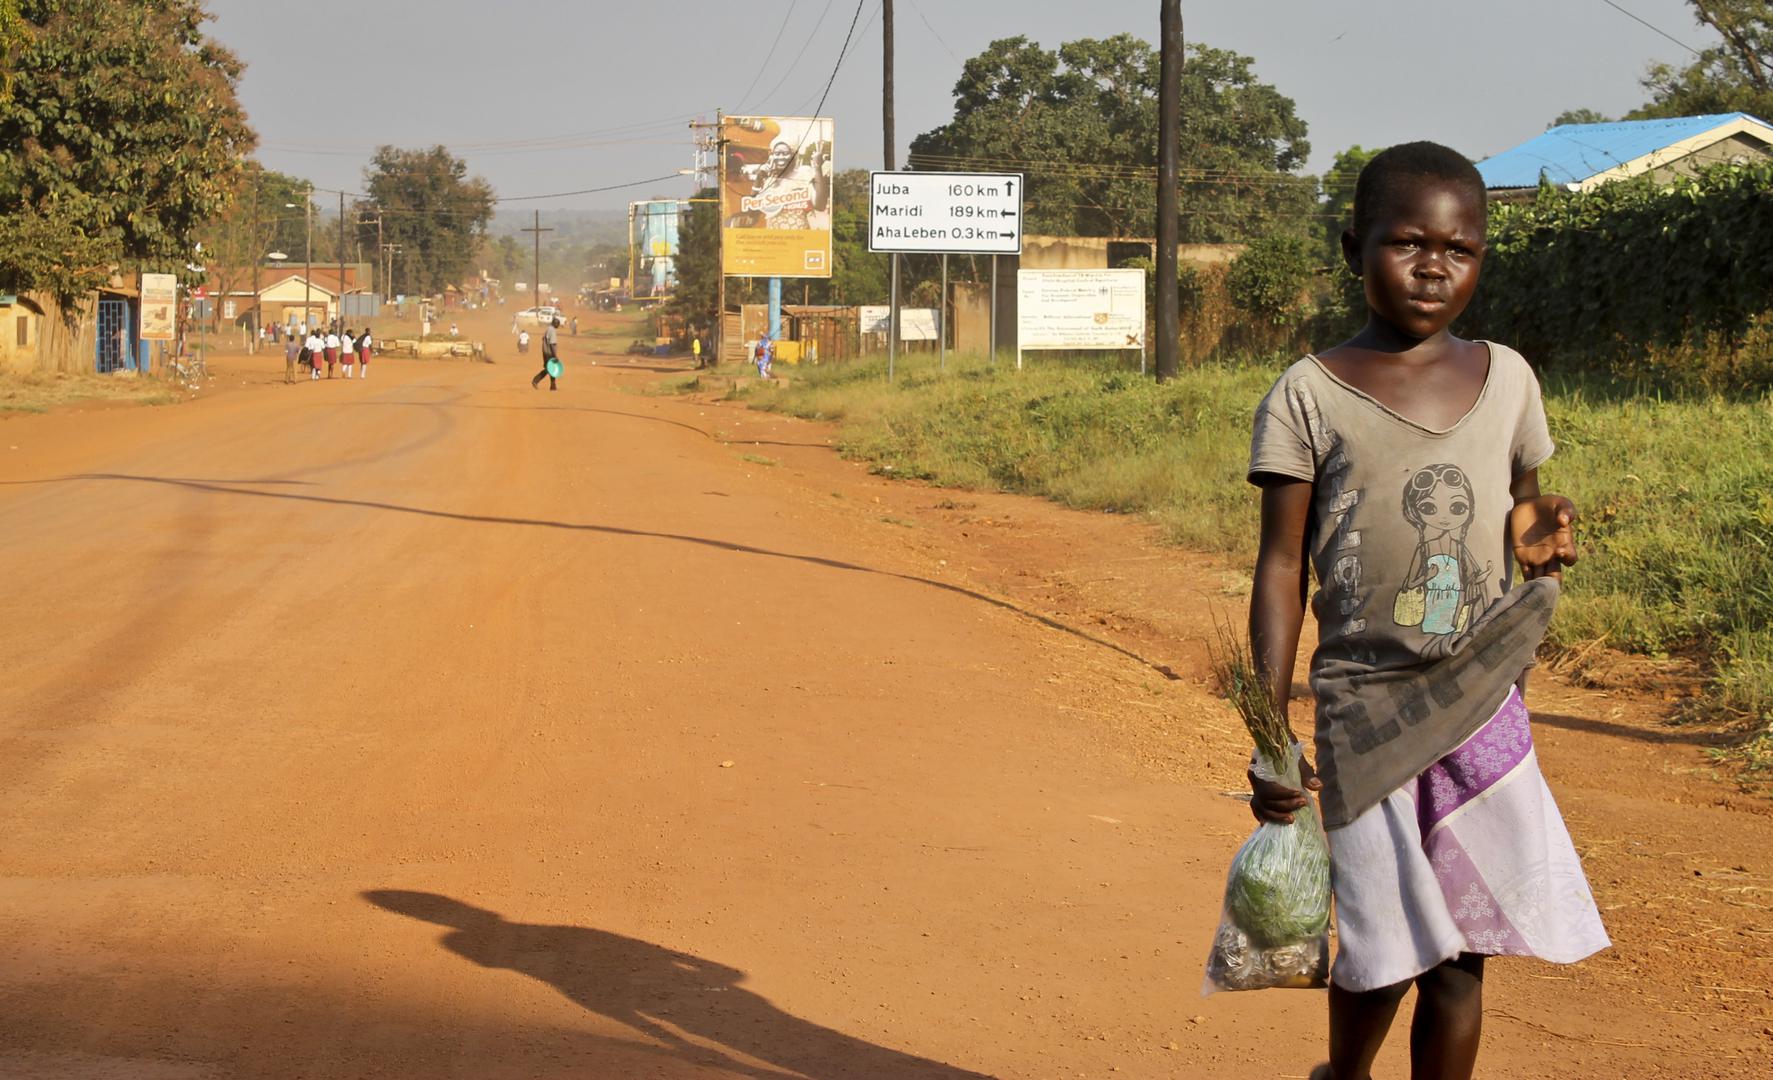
(575, 326)
(314, 345)
(363, 349)
(292, 354)
(550, 358)
(331, 344)
(764, 356)
(696, 349)
(522, 342)
(1446, 847)
(348, 352)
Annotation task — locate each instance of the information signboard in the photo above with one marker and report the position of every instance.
(915, 324)
(160, 297)
(1080, 309)
(935, 213)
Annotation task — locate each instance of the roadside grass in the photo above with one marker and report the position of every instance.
(1676, 580)
(41, 391)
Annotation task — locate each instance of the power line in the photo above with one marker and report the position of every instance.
(793, 64)
(1651, 26)
(926, 24)
(746, 93)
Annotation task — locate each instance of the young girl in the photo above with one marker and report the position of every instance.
(1403, 466)
(364, 345)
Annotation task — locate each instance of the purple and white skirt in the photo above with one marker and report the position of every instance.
(1471, 856)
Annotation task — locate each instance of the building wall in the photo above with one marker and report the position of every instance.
(59, 340)
(1738, 146)
(21, 334)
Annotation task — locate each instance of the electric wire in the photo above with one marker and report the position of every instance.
(761, 68)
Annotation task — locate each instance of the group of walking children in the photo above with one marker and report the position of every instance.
(1402, 468)
(310, 348)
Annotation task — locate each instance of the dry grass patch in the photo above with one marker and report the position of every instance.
(42, 391)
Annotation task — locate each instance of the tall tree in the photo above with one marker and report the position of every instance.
(121, 136)
(1735, 75)
(1081, 121)
(698, 261)
(432, 209)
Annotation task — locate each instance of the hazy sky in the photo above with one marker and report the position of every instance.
(543, 96)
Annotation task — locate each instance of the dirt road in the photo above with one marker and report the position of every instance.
(435, 726)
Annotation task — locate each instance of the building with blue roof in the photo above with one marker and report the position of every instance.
(1584, 156)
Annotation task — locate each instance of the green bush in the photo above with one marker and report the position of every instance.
(1270, 279)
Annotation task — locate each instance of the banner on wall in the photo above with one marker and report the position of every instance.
(775, 196)
(160, 297)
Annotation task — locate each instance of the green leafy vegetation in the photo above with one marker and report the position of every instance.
(433, 210)
(1670, 283)
(1676, 492)
(121, 134)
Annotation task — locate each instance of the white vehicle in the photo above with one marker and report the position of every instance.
(541, 315)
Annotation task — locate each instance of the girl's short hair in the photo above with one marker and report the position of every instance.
(1407, 166)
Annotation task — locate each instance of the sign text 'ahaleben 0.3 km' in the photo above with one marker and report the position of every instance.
(945, 213)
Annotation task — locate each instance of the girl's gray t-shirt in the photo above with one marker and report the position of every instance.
(1408, 534)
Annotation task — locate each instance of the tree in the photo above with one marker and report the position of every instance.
(697, 298)
(1338, 185)
(255, 222)
(1733, 76)
(1081, 123)
(121, 136)
(432, 209)
(1579, 116)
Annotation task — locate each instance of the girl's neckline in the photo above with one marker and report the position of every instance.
(1414, 425)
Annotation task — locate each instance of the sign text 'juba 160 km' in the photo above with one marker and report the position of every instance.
(936, 213)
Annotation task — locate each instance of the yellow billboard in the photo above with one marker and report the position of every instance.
(775, 196)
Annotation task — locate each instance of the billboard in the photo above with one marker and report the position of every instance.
(652, 244)
(159, 302)
(915, 324)
(775, 196)
(1080, 309)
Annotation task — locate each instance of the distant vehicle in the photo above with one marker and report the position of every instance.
(540, 315)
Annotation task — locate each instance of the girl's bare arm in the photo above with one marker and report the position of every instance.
(1277, 611)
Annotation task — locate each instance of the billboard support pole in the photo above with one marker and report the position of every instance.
(775, 321)
(942, 316)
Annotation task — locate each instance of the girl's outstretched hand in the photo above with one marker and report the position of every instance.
(1273, 804)
(1539, 534)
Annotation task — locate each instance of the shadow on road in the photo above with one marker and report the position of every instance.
(1657, 736)
(617, 530)
(680, 1000)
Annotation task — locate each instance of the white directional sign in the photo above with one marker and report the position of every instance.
(935, 213)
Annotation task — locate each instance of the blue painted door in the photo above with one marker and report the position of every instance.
(115, 348)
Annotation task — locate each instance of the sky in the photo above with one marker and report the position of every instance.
(543, 97)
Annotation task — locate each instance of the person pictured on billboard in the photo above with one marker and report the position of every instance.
(782, 177)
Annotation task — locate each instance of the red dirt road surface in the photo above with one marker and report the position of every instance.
(435, 726)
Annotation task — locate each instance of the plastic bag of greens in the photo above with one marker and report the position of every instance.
(1274, 928)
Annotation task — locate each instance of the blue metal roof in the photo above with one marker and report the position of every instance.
(1571, 153)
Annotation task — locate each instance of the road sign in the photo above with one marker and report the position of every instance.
(935, 213)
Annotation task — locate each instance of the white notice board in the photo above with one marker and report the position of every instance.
(1080, 309)
(915, 324)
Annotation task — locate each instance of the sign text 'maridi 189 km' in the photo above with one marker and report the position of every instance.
(936, 213)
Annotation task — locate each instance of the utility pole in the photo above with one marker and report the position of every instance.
(1169, 150)
(341, 312)
(719, 147)
(258, 256)
(308, 258)
(536, 284)
(886, 125)
(380, 284)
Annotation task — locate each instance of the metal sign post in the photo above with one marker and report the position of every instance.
(944, 213)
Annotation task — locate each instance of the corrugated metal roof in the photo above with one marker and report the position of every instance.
(1571, 153)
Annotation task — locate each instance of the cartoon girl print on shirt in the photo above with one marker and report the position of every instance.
(1445, 582)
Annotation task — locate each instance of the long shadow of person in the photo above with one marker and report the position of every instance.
(662, 993)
